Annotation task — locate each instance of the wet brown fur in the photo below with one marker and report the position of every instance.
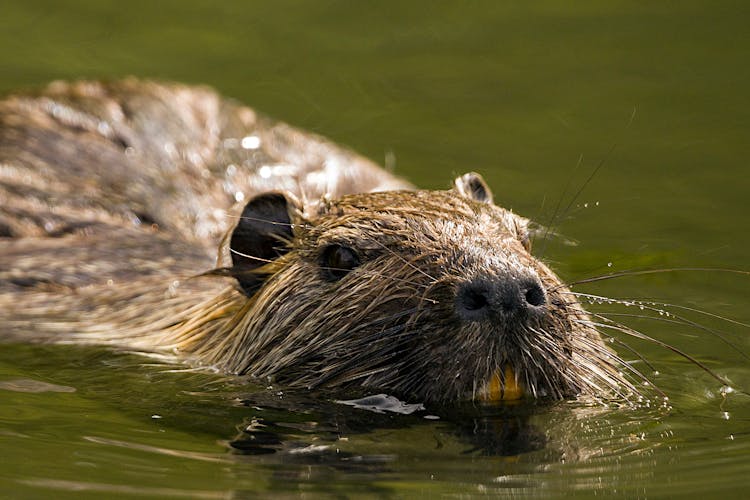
(114, 197)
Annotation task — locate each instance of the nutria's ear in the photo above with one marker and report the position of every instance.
(472, 186)
(261, 236)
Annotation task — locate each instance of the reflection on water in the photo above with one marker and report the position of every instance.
(29, 385)
(118, 489)
(254, 438)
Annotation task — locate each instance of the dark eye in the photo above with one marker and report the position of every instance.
(337, 261)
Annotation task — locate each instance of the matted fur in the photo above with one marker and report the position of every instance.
(105, 241)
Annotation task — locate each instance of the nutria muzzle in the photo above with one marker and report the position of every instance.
(505, 303)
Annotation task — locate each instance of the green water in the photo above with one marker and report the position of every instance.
(535, 97)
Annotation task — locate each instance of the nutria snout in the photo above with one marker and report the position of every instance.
(331, 272)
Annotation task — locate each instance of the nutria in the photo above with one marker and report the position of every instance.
(331, 271)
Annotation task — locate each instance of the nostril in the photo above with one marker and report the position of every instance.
(534, 295)
(473, 300)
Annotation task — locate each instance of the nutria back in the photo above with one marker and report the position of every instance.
(165, 218)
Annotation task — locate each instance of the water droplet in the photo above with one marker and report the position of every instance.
(265, 171)
(103, 128)
(250, 142)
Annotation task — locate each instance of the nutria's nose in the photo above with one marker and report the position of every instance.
(501, 298)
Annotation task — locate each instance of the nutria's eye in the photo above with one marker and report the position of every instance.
(337, 261)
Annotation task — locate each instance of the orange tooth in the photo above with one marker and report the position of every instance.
(496, 390)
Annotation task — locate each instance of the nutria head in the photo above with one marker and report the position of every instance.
(430, 294)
